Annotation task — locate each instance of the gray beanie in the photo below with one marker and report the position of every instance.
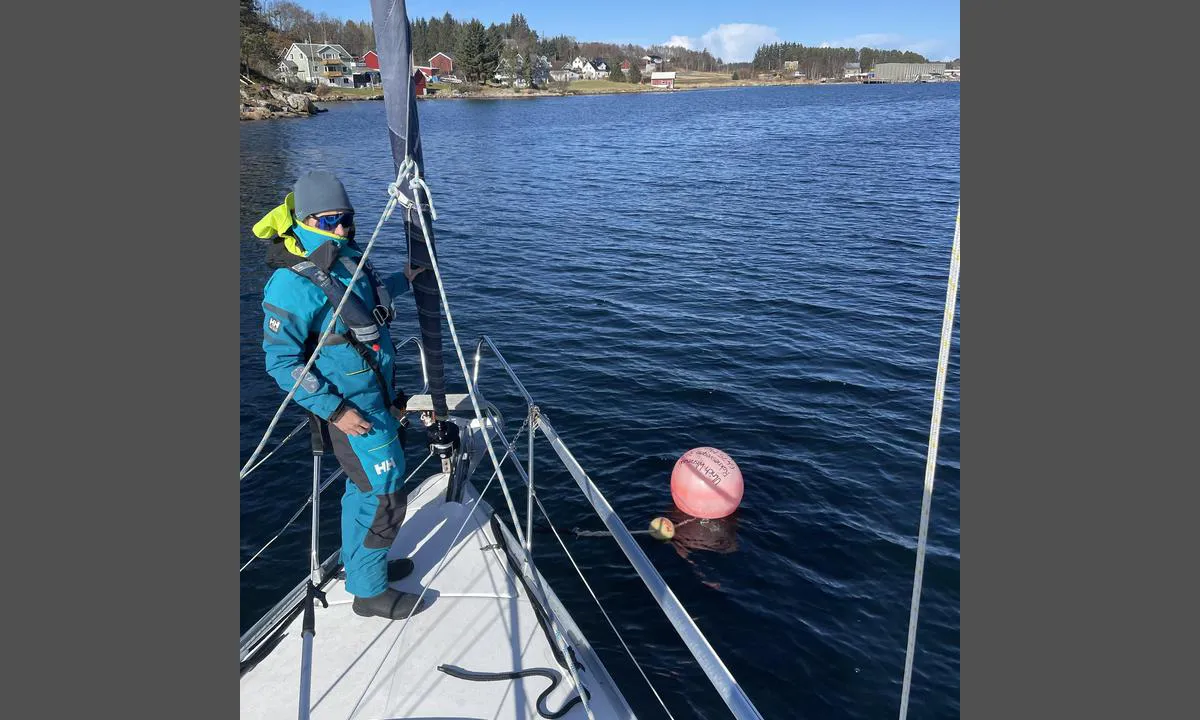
(319, 191)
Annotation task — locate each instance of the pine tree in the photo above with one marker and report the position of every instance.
(472, 46)
(256, 45)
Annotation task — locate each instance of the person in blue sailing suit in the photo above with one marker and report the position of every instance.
(350, 384)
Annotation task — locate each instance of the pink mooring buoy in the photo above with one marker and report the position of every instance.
(706, 483)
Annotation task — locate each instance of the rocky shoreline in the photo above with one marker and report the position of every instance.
(263, 102)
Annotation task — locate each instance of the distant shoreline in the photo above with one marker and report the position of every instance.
(503, 93)
(496, 93)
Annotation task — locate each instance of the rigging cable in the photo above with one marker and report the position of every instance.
(416, 182)
(931, 463)
(304, 422)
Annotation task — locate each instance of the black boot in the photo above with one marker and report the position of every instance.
(399, 569)
(391, 604)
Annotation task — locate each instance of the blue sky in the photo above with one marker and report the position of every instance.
(730, 30)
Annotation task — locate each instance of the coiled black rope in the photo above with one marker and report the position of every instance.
(554, 676)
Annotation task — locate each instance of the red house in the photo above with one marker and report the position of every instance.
(371, 60)
(442, 62)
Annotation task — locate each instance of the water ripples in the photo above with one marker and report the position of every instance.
(761, 270)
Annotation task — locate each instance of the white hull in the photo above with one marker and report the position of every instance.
(482, 619)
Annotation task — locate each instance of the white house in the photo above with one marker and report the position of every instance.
(507, 71)
(286, 70)
(587, 68)
(539, 73)
(583, 66)
(319, 63)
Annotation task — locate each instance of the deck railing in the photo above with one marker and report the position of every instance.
(719, 675)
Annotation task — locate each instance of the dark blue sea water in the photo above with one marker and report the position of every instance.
(762, 270)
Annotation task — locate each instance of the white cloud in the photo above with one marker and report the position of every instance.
(732, 42)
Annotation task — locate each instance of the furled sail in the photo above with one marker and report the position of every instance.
(393, 40)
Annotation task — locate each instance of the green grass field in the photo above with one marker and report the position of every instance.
(605, 85)
(363, 91)
(695, 77)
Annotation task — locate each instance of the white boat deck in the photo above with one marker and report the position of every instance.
(481, 619)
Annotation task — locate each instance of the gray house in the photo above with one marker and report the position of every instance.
(564, 73)
(319, 63)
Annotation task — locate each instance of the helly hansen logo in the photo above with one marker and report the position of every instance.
(273, 323)
(381, 468)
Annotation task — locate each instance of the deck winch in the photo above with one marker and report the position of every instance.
(444, 442)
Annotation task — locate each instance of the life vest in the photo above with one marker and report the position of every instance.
(287, 252)
(363, 324)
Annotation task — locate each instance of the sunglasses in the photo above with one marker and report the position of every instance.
(329, 222)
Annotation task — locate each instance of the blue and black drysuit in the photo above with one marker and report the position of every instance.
(348, 373)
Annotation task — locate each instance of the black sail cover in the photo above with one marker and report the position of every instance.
(393, 41)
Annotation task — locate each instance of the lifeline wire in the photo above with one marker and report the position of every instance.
(930, 464)
(337, 313)
(336, 474)
(536, 577)
(275, 449)
(602, 610)
(510, 447)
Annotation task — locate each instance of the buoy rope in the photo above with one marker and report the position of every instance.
(931, 463)
(606, 533)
